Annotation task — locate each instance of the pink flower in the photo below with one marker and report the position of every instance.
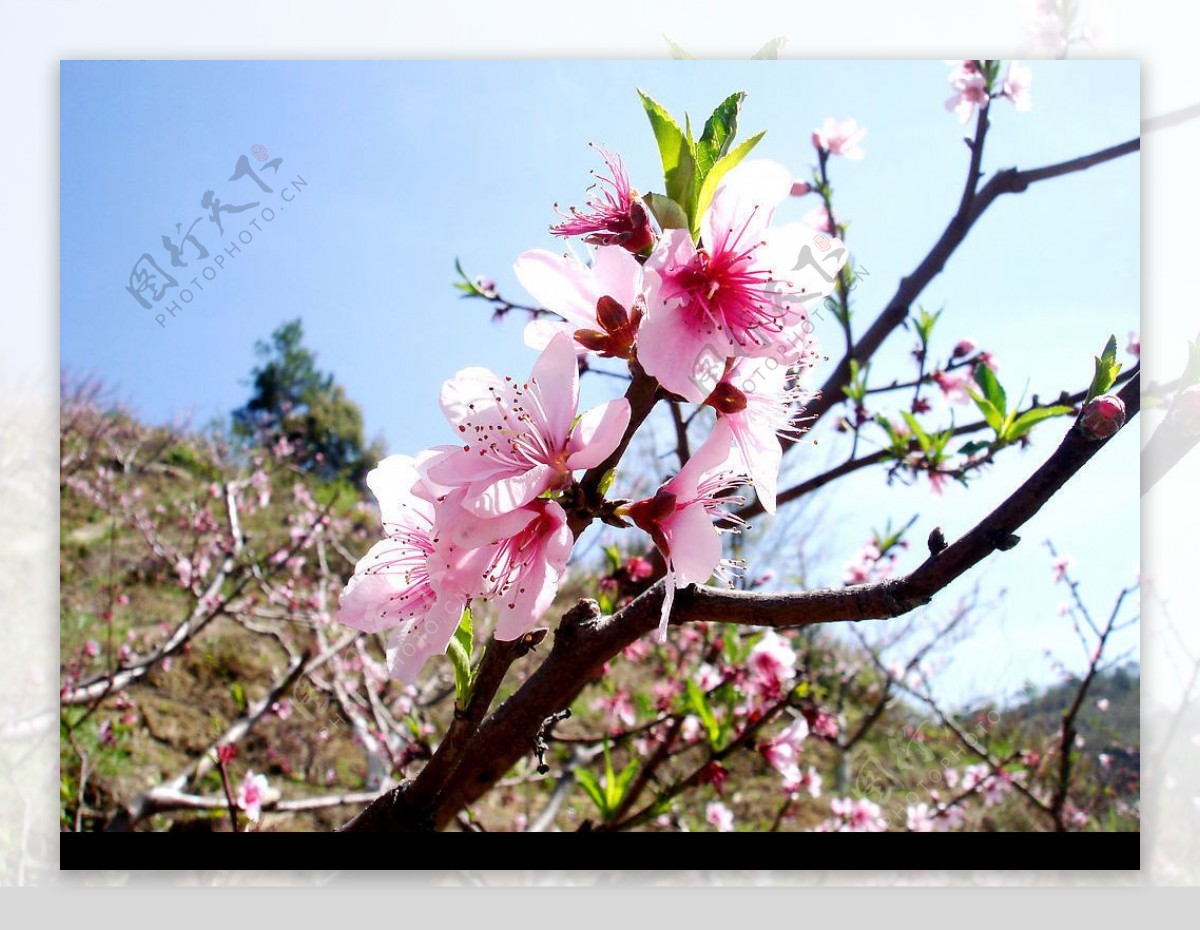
(840, 137)
(921, 818)
(1016, 85)
(772, 663)
(1102, 705)
(741, 291)
(251, 795)
(970, 91)
(954, 385)
(394, 585)
(91, 648)
(800, 188)
(522, 439)
(517, 560)
(638, 568)
(601, 304)
(1134, 346)
(618, 707)
(784, 750)
(757, 398)
(679, 517)
(1059, 567)
(858, 816)
(808, 781)
(719, 816)
(614, 215)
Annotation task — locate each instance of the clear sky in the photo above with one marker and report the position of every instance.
(393, 169)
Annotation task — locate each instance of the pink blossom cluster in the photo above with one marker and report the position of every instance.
(475, 521)
(718, 319)
(972, 87)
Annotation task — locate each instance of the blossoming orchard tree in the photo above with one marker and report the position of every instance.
(706, 302)
(495, 671)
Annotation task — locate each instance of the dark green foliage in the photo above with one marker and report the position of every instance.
(294, 400)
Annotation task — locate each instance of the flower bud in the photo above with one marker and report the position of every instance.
(1102, 417)
(1184, 412)
(800, 188)
(964, 347)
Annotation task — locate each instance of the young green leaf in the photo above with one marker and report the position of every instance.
(462, 644)
(1107, 369)
(918, 431)
(679, 164)
(704, 193)
(990, 385)
(994, 417)
(591, 787)
(698, 701)
(667, 212)
(1030, 418)
(718, 133)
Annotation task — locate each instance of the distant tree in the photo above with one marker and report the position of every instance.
(295, 402)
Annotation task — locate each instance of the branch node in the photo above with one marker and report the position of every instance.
(937, 541)
(1008, 542)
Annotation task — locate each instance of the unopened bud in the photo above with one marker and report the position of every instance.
(800, 188)
(1184, 412)
(1102, 417)
(965, 347)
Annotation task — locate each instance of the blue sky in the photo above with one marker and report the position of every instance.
(407, 165)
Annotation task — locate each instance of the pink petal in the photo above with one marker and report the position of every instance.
(761, 453)
(453, 467)
(472, 386)
(491, 499)
(617, 275)
(412, 644)
(367, 596)
(713, 454)
(540, 585)
(695, 545)
(539, 333)
(557, 387)
(679, 355)
(468, 531)
(745, 201)
(392, 481)
(561, 284)
(597, 434)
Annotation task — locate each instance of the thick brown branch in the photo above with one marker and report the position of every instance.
(585, 640)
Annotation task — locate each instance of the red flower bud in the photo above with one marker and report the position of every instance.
(1102, 417)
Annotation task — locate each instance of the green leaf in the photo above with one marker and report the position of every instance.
(918, 431)
(591, 787)
(770, 50)
(698, 701)
(975, 445)
(1026, 421)
(1107, 369)
(924, 321)
(667, 212)
(994, 418)
(679, 164)
(677, 51)
(718, 133)
(706, 190)
(990, 385)
(461, 645)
